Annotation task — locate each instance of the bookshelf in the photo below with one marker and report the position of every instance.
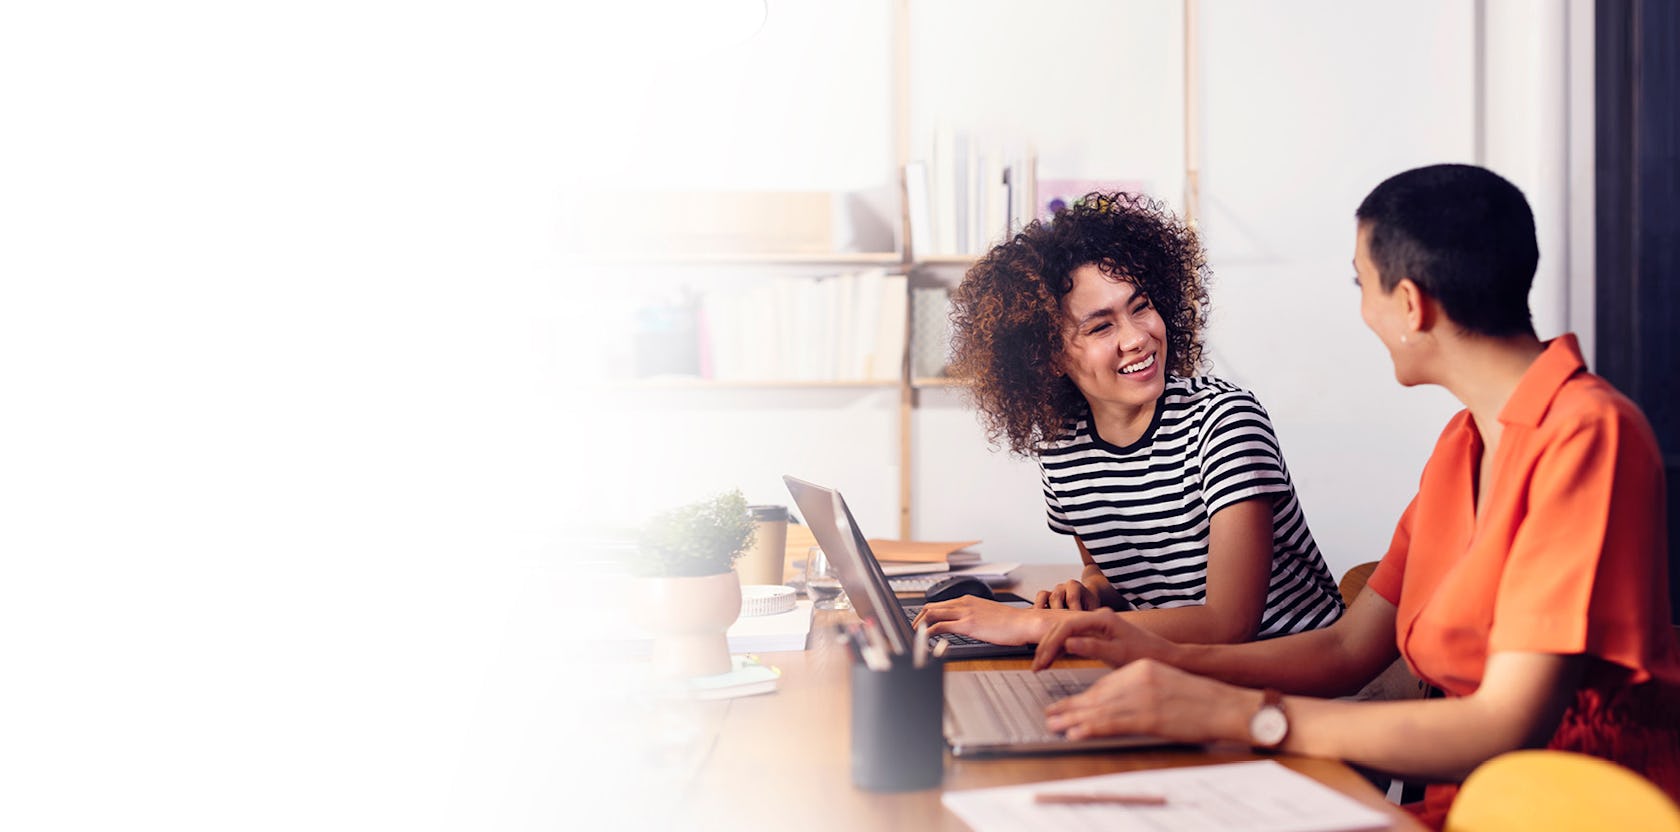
(923, 269)
(886, 259)
(713, 384)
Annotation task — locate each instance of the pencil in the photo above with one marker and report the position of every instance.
(1099, 799)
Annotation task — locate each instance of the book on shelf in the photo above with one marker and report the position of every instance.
(970, 193)
(891, 328)
(846, 327)
(930, 324)
(917, 208)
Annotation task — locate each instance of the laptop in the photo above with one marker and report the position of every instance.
(836, 531)
(987, 712)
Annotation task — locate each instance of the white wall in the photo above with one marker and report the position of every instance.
(1305, 106)
(1308, 105)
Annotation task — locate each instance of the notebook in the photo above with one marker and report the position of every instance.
(987, 712)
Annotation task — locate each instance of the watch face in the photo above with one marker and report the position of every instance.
(1268, 726)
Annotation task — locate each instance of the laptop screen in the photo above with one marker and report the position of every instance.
(836, 531)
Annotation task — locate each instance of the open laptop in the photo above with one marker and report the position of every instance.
(836, 531)
(987, 712)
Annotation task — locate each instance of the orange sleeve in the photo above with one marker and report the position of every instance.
(1390, 573)
(1582, 565)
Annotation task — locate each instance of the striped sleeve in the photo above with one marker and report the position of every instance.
(1239, 453)
(1054, 514)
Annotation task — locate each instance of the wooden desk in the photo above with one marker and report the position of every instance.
(783, 761)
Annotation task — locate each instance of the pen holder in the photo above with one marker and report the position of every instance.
(898, 726)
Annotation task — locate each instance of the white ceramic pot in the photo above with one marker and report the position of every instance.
(689, 618)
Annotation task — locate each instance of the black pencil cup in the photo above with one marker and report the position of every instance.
(898, 731)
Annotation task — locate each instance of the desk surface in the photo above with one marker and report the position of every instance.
(782, 761)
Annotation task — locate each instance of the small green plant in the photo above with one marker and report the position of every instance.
(701, 538)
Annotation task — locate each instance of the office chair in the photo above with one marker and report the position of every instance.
(1541, 790)
(1397, 682)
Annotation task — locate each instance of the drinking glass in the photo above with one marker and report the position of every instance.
(822, 582)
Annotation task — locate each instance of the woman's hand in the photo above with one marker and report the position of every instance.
(1148, 697)
(1103, 635)
(987, 620)
(1068, 595)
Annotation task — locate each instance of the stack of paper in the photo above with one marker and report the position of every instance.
(790, 630)
(768, 633)
(1258, 796)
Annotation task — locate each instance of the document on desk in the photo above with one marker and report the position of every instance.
(1257, 796)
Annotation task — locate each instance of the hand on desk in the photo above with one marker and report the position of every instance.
(987, 620)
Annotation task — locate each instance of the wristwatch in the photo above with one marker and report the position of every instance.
(1269, 725)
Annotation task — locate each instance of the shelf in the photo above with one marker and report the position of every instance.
(871, 258)
(947, 260)
(710, 384)
(938, 381)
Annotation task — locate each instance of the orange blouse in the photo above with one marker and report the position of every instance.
(1569, 556)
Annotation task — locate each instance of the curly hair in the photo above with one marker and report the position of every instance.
(1007, 320)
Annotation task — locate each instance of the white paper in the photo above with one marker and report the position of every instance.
(1257, 796)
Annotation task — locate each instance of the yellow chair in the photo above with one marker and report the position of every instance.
(1542, 790)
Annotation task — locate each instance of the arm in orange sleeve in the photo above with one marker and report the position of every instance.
(1582, 565)
(1390, 571)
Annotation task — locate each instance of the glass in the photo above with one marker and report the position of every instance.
(822, 582)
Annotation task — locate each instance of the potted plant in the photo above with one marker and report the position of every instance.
(684, 559)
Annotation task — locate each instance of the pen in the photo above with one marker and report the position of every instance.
(1099, 799)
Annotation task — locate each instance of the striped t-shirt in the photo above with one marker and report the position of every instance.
(1143, 510)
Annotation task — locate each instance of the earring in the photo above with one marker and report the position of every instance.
(1402, 339)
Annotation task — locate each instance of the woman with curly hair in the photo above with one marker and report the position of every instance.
(1081, 338)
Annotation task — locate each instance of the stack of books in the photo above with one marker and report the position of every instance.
(911, 565)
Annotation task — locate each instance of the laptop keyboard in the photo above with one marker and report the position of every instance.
(954, 638)
(1018, 699)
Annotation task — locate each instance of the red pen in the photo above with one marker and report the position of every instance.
(1099, 799)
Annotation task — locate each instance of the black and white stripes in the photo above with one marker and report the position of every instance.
(1143, 510)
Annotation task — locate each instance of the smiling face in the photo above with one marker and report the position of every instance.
(1114, 345)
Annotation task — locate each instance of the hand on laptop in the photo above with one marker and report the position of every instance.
(1148, 697)
(1100, 635)
(1068, 595)
(990, 621)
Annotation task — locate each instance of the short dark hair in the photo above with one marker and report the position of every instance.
(1007, 319)
(1463, 234)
